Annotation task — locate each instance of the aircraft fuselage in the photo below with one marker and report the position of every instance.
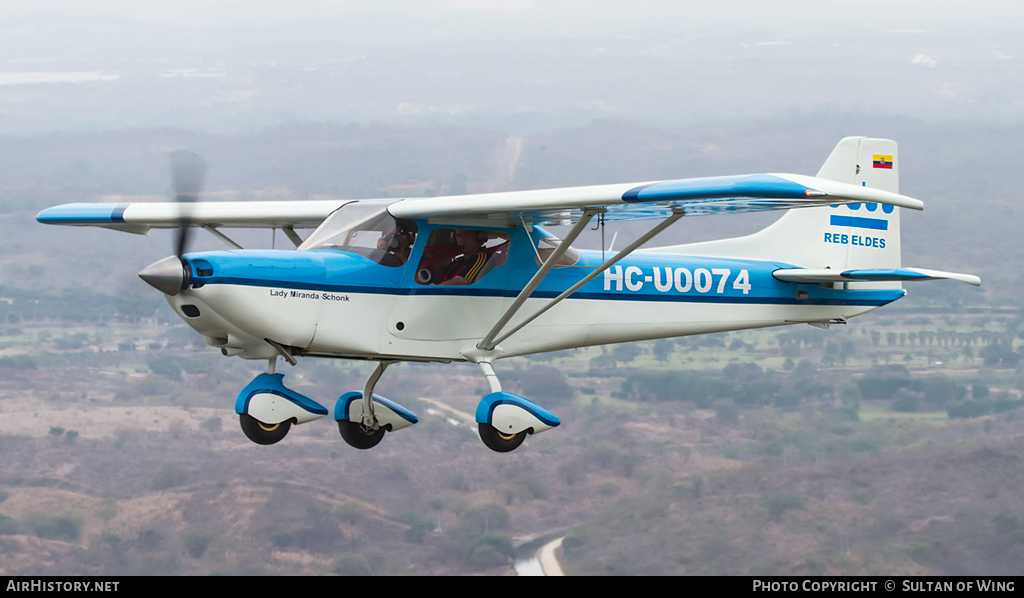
(338, 304)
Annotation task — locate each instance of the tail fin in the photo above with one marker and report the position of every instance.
(835, 237)
(848, 236)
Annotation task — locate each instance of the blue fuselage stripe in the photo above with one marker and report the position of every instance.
(612, 296)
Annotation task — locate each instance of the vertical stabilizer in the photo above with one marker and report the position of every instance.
(838, 237)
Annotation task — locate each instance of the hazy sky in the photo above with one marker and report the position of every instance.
(514, 65)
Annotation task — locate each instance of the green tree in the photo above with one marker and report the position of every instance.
(419, 527)
(486, 556)
(168, 475)
(940, 390)
(168, 366)
(196, 541)
(626, 352)
(351, 512)
(546, 385)
(212, 425)
(487, 517)
(350, 564)
(66, 526)
(777, 504)
(106, 510)
(663, 350)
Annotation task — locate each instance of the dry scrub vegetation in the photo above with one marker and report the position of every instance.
(161, 481)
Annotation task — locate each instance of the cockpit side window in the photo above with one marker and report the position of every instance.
(366, 229)
(461, 256)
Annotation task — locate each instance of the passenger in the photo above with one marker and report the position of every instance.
(465, 268)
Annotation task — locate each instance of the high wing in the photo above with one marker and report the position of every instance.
(697, 196)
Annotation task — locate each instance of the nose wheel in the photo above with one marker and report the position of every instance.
(262, 433)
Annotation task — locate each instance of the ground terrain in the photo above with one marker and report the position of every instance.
(111, 468)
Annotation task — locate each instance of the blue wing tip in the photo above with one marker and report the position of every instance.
(83, 213)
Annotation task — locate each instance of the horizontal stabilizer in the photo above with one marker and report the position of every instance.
(810, 276)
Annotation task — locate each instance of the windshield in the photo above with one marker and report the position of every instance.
(366, 229)
(547, 245)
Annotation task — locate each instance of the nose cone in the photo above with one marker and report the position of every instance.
(169, 276)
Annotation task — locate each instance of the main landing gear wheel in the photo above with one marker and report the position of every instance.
(359, 436)
(262, 433)
(498, 442)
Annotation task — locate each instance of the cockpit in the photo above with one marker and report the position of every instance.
(450, 256)
(365, 228)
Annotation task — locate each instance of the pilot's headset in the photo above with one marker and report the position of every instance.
(481, 237)
(394, 242)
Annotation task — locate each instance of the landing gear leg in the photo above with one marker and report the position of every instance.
(491, 437)
(492, 378)
(369, 419)
(368, 431)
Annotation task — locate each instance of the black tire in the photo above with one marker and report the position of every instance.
(262, 433)
(498, 442)
(359, 436)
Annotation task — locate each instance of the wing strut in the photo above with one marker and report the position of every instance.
(213, 231)
(289, 231)
(489, 342)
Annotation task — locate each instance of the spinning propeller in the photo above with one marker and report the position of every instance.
(172, 275)
(188, 173)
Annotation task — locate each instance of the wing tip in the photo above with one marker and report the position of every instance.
(83, 214)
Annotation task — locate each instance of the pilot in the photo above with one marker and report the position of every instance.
(398, 241)
(465, 268)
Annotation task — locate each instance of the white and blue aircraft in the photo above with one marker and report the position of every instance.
(475, 278)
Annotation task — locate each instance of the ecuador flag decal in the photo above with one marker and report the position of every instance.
(880, 161)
